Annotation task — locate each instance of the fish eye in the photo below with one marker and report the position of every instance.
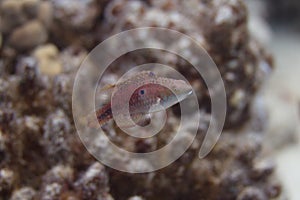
(142, 92)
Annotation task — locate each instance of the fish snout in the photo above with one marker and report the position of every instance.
(182, 89)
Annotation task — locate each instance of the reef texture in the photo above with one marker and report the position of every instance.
(42, 45)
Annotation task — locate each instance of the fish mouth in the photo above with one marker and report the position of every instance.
(178, 90)
(183, 95)
(182, 89)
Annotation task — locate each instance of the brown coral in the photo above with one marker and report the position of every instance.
(41, 157)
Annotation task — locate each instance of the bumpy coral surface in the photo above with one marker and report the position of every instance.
(42, 45)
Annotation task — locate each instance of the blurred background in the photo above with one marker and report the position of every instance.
(276, 23)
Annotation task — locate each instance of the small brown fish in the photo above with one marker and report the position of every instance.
(153, 95)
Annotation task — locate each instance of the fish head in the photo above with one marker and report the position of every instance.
(163, 93)
(178, 90)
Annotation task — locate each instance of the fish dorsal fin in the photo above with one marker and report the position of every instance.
(139, 77)
(141, 74)
(107, 87)
(104, 94)
(145, 75)
(91, 121)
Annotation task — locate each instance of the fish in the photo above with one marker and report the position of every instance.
(150, 93)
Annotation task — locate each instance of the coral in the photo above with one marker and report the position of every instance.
(47, 56)
(62, 92)
(27, 68)
(224, 174)
(7, 179)
(56, 134)
(75, 20)
(94, 183)
(28, 35)
(55, 182)
(25, 193)
(21, 24)
(43, 44)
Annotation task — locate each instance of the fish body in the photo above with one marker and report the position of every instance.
(149, 93)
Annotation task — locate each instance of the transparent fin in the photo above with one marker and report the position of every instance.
(91, 121)
(141, 119)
